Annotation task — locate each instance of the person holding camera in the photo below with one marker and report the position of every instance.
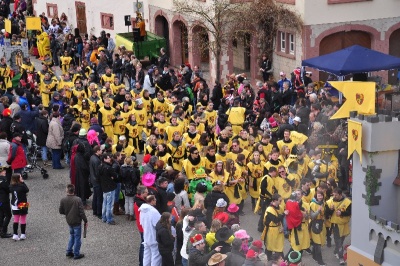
(72, 207)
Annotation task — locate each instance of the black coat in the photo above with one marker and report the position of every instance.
(4, 190)
(82, 174)
(162, 201)
(210, 201)
(130, 177)
(5, 126)
(18, 192)
(164, 239)
(42, 130)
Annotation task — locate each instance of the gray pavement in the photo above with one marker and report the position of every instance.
(47, 232)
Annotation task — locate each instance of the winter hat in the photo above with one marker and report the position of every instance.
(235, 227)
(242, 234)
(221, 203)
(258, 244)
(82, 132)
(296, 71)
(197, 239)
(297, 119)
(251, 254)
(146, 158)
(294, 257)
(233, 208)
(122, 138)
(6, 112)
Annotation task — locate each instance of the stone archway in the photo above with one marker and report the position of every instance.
(180, 47)
(161, 28)
(394, 49)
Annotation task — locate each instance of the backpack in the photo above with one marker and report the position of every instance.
(66, 145)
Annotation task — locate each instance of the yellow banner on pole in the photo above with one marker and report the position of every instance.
(360, 97)
(7, 25)
(354, 137)
(33, 23)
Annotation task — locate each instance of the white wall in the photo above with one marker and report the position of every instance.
(93, 9)
(319, 12)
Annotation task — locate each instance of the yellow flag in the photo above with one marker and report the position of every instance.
(354, 137)
(33, 23)
(360, 97)
(297, 137)
(7, 25)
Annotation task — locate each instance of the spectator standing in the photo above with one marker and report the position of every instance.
(19, 205)
(94, 165)
(71, 206)
(42, 130)
(5, 209)
(140, 198)
(165, 239)
(17, 157)
(54, 140)
(4, 151)
(149, 217)
(5, 123)
(108, 186)
(130, 177)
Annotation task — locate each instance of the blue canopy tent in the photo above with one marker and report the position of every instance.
(353, 59)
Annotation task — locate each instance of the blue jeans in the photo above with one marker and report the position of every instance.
(44, 153)
(75, 242)
(184, 262)
(108, 202)
(117, 190)
(56, 158)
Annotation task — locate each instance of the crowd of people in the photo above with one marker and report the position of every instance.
(205, 151)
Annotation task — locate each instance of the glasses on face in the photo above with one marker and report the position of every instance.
(196, 153)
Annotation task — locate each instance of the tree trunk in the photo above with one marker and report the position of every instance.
(218, 64)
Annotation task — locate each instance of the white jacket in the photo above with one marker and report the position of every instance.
(185, 237)
(147, 85)
(149, 217)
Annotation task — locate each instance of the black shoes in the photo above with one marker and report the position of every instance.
(6, 235)
(80, 256)
(70, 254)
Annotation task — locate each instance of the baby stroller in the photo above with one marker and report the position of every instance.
(33, 150)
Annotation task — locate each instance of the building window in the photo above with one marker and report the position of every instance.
(291, 43)
(107, 21)
(283, 41)
(286, 44)
(52, 10)
(330, 2)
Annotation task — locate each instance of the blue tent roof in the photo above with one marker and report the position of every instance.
(354, 59)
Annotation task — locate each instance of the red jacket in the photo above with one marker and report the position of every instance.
(16, 157)
(138, 202)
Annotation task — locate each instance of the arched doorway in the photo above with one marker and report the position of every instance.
(341, 40)
(241, 48)
(200, 48)
(162, 29)
(180, 47)
(394, 49)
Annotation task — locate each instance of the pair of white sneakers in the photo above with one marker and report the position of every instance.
(16, 237)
